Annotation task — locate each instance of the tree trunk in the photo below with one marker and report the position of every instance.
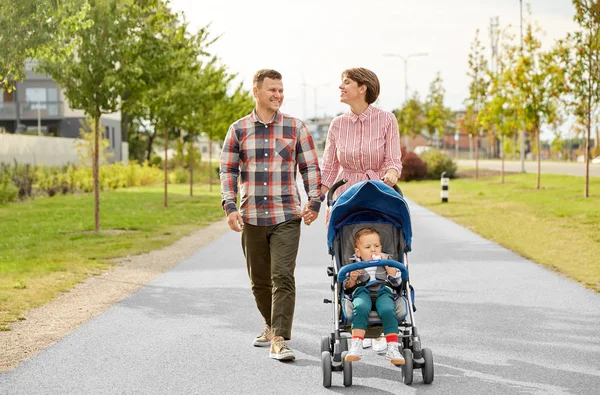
(165, 164)
(192, 166)
(477, 157)
(149, 147)
(406, 146)
(587, 156)
(96, 175)
(539, 156)
(501, 153)
(210, 168)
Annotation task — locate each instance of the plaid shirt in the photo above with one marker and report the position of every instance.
(267, 156)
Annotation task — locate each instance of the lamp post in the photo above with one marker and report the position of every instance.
(315, 88)
(521, 132)
(405, 60)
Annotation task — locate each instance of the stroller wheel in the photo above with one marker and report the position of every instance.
(325, 344)
(427, 368)
(343, 344)
(326, 368)
(407, 368)
(347, 370)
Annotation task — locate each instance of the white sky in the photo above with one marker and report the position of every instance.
(315, 40)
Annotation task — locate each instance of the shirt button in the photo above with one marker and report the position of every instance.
(265, 198)
(266, 212)
(265, 183)
(266, 154)
(266, 140)
(266, 126)
(266, 169)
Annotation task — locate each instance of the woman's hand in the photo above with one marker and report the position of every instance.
(391, 177)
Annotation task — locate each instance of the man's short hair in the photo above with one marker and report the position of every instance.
(364, 232)
(260, 76)
(365, 77)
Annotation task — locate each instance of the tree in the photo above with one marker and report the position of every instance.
(539, 80)
(411, 119)
(93, 79)
(31, 29)
(499, 112)
(478, 88)
(584, 70)
(437, 115)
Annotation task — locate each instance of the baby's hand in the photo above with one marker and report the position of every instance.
(384, 256)
(354, 274)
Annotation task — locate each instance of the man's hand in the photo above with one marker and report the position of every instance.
(235, 221)
(308, 215)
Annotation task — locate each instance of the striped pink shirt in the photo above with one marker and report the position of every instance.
(361, 147)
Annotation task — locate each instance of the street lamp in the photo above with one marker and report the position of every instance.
(405, 59)
(521, 132)
(315, 87)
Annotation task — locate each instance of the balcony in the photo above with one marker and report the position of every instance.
(32, 111)
(8, 111)
(42, 110)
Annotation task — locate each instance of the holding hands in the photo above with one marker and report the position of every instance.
(309, 215)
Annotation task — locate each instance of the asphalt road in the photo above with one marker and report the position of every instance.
(497, 324)
(567, 168)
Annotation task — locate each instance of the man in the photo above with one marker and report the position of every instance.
(265, 149)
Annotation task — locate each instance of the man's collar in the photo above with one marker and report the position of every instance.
(276, 117)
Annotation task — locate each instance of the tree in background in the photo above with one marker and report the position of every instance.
(584, 71)
(436, 114)
(539, 80)
(93, 80)
(31, 29)
(411, 119)
(478, 92)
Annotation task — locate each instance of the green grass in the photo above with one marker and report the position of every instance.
(47, 245)
(554, 226)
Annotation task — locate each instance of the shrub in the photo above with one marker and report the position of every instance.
(8, 191)
(437, 163)
(413, 168)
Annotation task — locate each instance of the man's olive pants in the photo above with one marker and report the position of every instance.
(270, 253)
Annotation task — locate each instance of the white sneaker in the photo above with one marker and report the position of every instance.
(393, 354)
(355, 350)
(367, 343)
(379, 345)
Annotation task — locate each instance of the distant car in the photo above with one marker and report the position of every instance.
(596, 160)
(420, 149)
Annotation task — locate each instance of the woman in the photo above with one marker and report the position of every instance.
(364, 143)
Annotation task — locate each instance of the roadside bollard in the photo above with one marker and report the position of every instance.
(445, 185)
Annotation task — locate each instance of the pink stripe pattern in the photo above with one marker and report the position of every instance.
(361, 147)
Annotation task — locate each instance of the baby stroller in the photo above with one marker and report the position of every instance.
(370, 204)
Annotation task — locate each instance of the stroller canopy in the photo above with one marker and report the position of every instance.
(369, 201)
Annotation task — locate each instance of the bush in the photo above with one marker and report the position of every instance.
(413, 168)
(8, 191)
(437, 163)
(179, 176)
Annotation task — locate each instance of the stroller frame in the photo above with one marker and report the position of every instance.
(334, 347)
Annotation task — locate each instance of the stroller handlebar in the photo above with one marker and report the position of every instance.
(344, 181)
(333, 188)
(361, 265)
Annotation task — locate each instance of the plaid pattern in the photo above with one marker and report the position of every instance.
(266, 156)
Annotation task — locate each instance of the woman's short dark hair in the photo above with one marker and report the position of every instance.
(365, 77)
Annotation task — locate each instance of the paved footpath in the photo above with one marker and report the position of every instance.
(497, 324)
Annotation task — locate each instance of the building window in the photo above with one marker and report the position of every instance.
(106, 133)
(112, 139)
